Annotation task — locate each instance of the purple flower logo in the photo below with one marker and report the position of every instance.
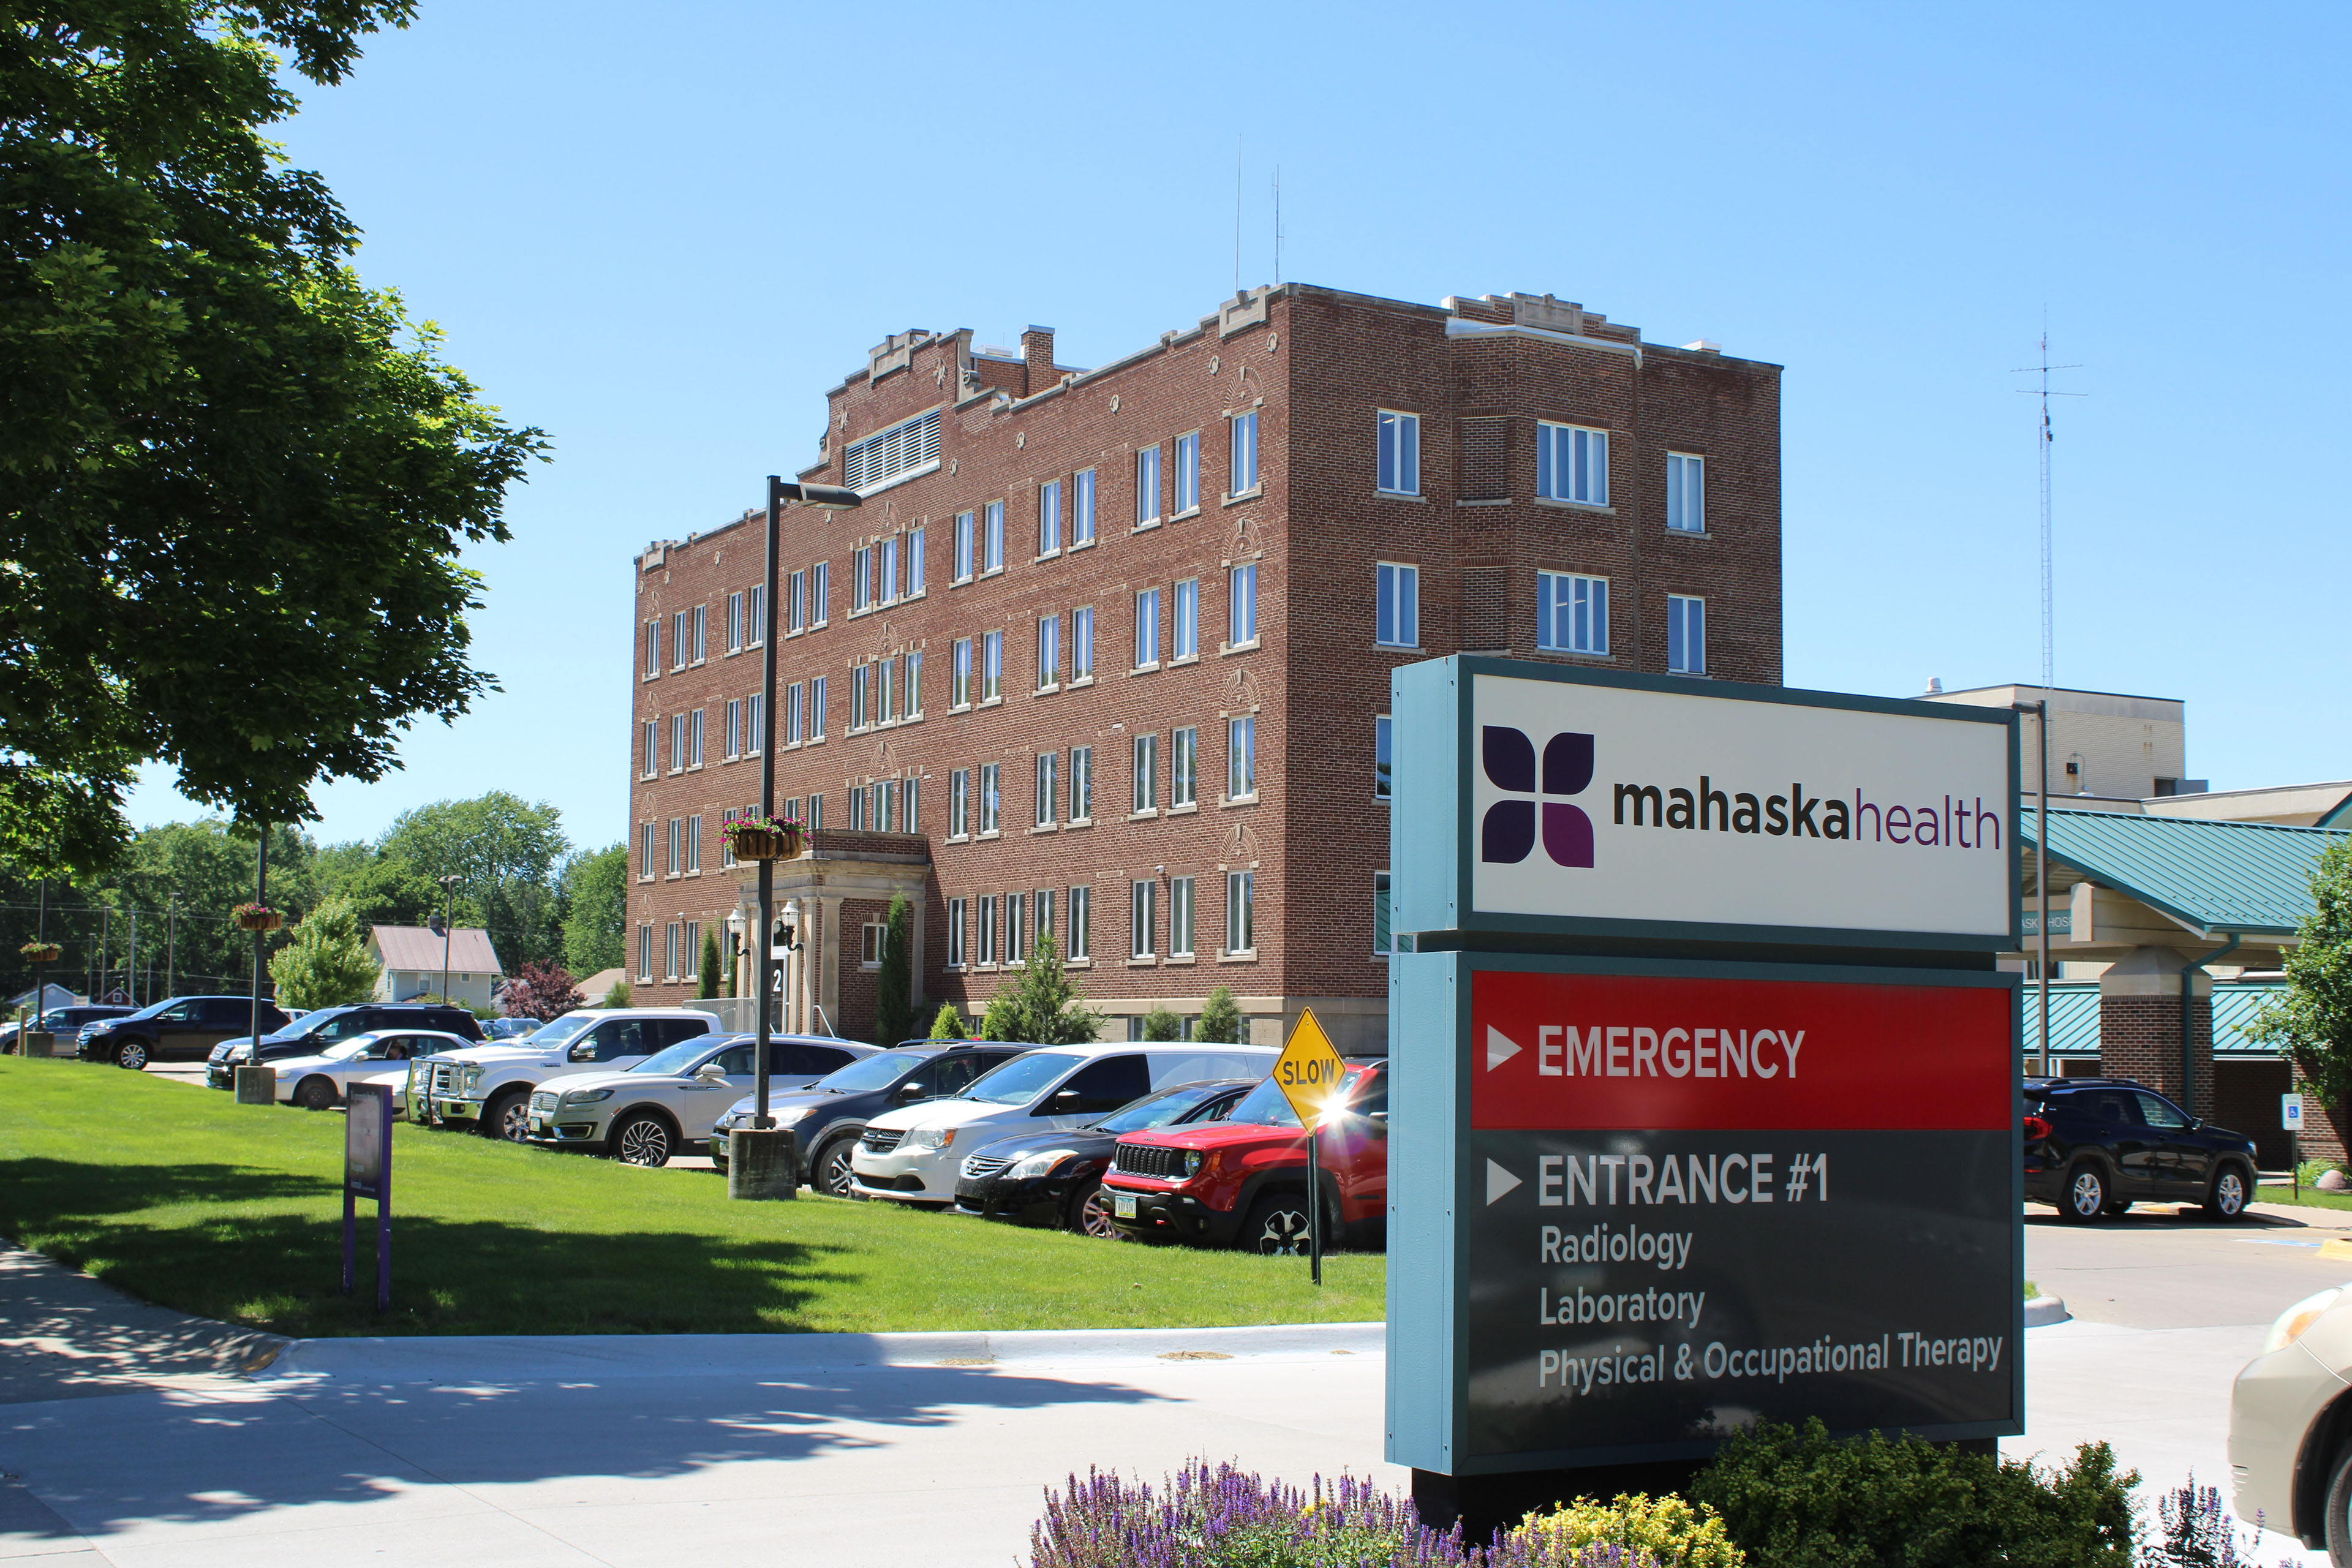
(1508, 831)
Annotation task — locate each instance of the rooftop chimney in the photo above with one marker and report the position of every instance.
(1037, 356)
(1935, 686)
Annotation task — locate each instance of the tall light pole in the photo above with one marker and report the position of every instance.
(2040, 711)
(780, 490)
(448, 917)
(260, 897)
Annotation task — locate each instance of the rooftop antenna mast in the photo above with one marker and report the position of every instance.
(2049, 617)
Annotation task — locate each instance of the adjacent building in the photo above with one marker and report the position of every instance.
(1104, 654)
(415, 960)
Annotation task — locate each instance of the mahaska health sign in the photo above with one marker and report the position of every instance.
(1582, 800)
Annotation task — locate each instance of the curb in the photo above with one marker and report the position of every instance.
(2044, 1311)
(500, 1359)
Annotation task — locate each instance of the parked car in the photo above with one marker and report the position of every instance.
(314, 1031)
(910, 1156)
(323, 1081)
(2291, 1426)
(667, 1103)
(2094, 1146)
(1241, 1182)
(65, 1023)
(185, 1029)
(511, 1028)
(488, 1087)
(1055, 1178)
(827, 1116)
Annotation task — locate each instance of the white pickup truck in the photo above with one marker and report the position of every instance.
(488, 1086)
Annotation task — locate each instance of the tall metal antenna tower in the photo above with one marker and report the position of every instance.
(2048, 615)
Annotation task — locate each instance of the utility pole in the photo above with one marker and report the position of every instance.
(131, 968)
(171, 949)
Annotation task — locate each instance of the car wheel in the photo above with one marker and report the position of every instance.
(2226, 1198)
(507, 1117)
(833, 1172)
(642, 1140)
(132, 1054)
(2336, 1529)
(1090, 1214)
(1276, 1225)
(315, 1094)
(2086, 1196)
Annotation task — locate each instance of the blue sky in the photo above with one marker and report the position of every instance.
(661, 236)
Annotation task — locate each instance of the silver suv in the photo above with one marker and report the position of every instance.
(489, 1087)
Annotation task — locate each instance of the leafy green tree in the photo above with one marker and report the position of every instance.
(326, 964)
(711, 975)
(597, 904)
(1221, 1018)
(1042, 1006)
(234, 481)
(894, 1001)
(950, 1024)
(620, 995)
(1002, 1019)
(2311, 1022)
(1160, 1024)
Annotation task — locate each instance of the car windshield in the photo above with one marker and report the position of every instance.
(327, 1026)
(155, 1009)
(1264, 1107)
(676, 1059)
(1170, 1105)
(877, 1071)
(1018, 1081)
(560, 1031)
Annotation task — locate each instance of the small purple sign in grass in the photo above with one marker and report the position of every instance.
(367, 1174)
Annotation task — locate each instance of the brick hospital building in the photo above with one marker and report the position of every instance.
(1104, 653)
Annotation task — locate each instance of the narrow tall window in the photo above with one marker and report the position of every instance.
(960, 803)
(992, 545)
(1082, 644)
(734, 622)
(650, 763)
(816, 709)
(960, 673)
(701, 631)
(1180, 917)
(1245, 476)
(694, 842)
(1049, 651)
(991, 666)
(677, 742)
(1082, 507)
(861, 578)
(963, 551)
(1082, 783)
(755, 617)
(885, 569)
(644, 952)
(1398, 471)
(1017, 911)
(990, 822)
(1241, 911)
(1142, 905)
(792, 717)
(1147, 628)
(755, 738)
(694, 738)
(677, 843)
(1571, 613)
(915, 572)
(857, 699)
(915, 684)
(1188, 472)
(988, 929)
(727, 850)
(1382, 776)
(913, 805)
(647, 835)
(1686, 634)
(1049, 518)
(885, 706)
(1146, 773)
(1049, 764)
(1241, 757)
(677, 641)
(1186, 626)
(955, 934)
(1046, 915)
(652, 647)
(1241, 604)
(1147, 486)
(796, 602)
(1183, 766)
(815, 812)
(1081, 922)
(1572, 463)
(820, 593)
(669, 948)
(1398, 623)
(1686, 492)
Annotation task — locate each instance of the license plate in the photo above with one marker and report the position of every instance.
(538, 1124)
(1123, 1204)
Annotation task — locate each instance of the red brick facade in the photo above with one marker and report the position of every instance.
(1315, 369)
(2139, 1038)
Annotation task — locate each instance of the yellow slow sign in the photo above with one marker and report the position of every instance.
(1309, 1071)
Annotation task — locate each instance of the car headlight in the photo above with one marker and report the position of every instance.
(587, 1096)
(1193, 1160)
(1041, 1163)
(797, 1113)
(471, 1077)
(931, 1138)
(2292, 1322)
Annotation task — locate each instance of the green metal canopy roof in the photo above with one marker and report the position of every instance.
(2074, 1017)
(2248, 878)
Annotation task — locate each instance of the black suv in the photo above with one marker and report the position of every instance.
(827, 1116)
(2094, 1146)
(185, 1029)
(314, 1032)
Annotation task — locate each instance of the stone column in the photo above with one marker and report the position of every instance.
(2139, 1026)
(827, 960)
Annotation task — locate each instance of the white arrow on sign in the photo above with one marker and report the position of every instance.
(1498, 1181)
(1500, 1047)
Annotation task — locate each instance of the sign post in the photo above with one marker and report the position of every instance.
(2291, 1118)
(367, 1174)
(1309, 1072)
(1704, 1075)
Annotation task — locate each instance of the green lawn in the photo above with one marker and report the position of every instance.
(2312, 1197)
(181, 1196)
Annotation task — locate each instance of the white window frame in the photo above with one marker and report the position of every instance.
(885, 569)
(991, 666)
(1576, 603)
(991, 799)
(955, 934)
(1686, 492)
(1686, 634)
(677, 742)
(861, 579)
(1017, 911)
(735, 623)
(1396, 464)
(1241, 757)
(1180, 917)
(1241, 604)
(959, 804)
(734, 727)
(701, 632)
(1082, 783)
(653, 649)
(1183, 766)
(1147, 628)
(755, 621)
(796, 601)
(1240, 912)
(1188, 473)
(1400, 582)
(694, 731)
(651, 761)
(1243, 479)
(1142, 912)
(988, 929)
(915, 550)
(817, 693)
(1572, 463)
(914, 683)
(755, 711)
(1049, 518)
(677, 643)
(1144, 753)
(694, 845)
(1082, 643)
(1081, 933)
(648, 847)
(965, 524)
(991, 543)
(1081, 507)
(872, 938)
(1049, 651)
(1147, 485)
(960, 673)
(1184, 629)
(1048, 769)
(857, 713)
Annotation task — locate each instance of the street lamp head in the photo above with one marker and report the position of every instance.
(834, 497)
(2025, 707)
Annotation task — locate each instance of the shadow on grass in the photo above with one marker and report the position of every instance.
(283, 1271)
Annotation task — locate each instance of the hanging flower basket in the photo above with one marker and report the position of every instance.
(258, 917)
(40, 953)
(752, 838)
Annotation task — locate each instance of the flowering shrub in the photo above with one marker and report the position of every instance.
(1665, 1529)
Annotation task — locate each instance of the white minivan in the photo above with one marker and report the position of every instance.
(910, 1156)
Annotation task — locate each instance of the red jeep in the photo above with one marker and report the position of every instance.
(1241, 1182)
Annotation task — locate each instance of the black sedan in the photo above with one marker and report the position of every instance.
(2093, 1146)
(1053, 1177)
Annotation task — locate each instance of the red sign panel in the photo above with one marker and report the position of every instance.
(1641, 1053)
